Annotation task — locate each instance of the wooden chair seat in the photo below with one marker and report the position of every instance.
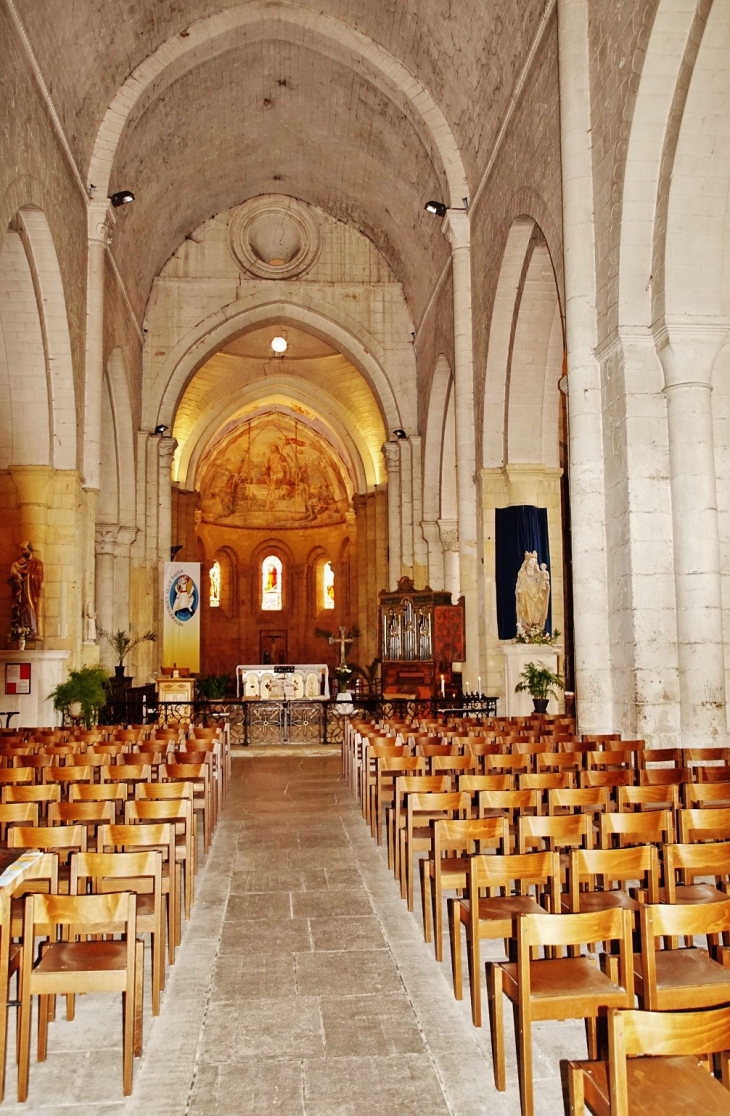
(657, 1087)
(685, 978)
(694, 893)
(564, 978)
(89, 957)
(604, 900)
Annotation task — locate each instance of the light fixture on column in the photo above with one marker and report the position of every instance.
(436, 207)
(174, 550)
(121, 197)
(400, 433)
(279, 344)
(161, 429)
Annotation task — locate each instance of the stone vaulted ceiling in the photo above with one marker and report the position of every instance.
(278, 106)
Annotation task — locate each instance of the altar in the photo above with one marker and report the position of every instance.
(285, 703)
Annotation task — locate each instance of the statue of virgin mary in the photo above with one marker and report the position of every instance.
(532, 595)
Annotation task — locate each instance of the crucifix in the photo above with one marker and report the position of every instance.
(344, 642)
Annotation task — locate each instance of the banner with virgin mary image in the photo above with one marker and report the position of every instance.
(181, 616)
(522, 569)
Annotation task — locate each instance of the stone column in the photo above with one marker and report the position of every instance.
(105, 540)
(420, 551)
(687, 353)
(432, 536)
(100, 224)
(592, 651)
(457, 231)
(449, 534)
(391, 453)
(166, 451)
(407, 518)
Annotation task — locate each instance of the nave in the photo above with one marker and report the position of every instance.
(303, 987)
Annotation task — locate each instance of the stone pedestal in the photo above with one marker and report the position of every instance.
(515, 657)
(35, 709)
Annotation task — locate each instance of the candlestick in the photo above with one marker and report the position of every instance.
(443, 688)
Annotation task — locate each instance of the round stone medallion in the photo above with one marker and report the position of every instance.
(274, 237)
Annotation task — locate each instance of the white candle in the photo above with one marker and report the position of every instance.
(467, 686)
(443, 688)
(479, 684)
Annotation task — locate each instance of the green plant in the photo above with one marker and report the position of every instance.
(369, 673)
(213, 686)
(342, 674)
(122, 642)
(86, 687)
(538, 681)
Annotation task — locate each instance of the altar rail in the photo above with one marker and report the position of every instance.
(259, 722)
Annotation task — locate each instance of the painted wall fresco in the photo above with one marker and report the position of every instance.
(273, 472)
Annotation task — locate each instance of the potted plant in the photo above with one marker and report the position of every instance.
(212, 687)
(20, 633)
(539, 682)
(342, 673)
(123, 642)
(369, 673)
(82, 694)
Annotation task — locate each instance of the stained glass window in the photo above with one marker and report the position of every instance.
(328, 586)
(271, 575)
(214, 597)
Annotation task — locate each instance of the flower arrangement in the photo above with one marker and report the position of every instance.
(538, 635)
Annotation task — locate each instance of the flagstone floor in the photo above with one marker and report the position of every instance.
(303, 986)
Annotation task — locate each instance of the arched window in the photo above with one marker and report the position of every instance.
(328, 586)
(214, 597)
(271, 577)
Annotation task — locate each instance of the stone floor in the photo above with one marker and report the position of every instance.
(303, 986)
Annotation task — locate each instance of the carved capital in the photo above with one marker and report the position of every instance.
(101, 221)
(391, 453)
(456, 228)
(105, 538)
(166, 451)
(449, 531)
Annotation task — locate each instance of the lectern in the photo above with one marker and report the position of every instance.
(421, 637)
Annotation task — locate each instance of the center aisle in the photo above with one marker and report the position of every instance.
(303, 986)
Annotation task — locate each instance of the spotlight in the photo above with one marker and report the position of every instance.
(161, 429)
(279, 344)
(436, 207)
(174, 550)
(400, 433)
(122, 197)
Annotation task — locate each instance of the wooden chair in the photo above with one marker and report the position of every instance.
(559, 761)
(15, 776)
(671, 756)
(681, 979)
(62, 840)
(127, 773)
(143, 838)
(117, 793)
(522, 883)
(581, 800)
(179, 813)
(510, 804)
(558, 988)
(683, 863)
(473, 784)
(453, 766)
(657, 1062)
(417, 834)
(66, 776)
(609, 760)
(89, 814)
(620, 830)
(592, 872)
(612, 779)
(371, 755)
(199, 775)
(387, 770)
(42, 795)
(70, 966)
(712, 774)
(664, 776)
(441, 872)
(101, 873)
(395, 816)
(506, 764)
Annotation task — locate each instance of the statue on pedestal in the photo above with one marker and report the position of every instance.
(26, 582)
(532, 595)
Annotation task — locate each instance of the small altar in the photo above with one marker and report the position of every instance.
(285, 702)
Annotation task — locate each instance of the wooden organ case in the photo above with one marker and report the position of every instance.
(421, 636)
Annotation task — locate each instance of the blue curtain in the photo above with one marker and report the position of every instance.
(517, 529)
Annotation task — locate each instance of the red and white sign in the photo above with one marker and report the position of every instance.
(17, 678)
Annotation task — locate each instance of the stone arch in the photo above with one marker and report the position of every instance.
(297, 21)
(36, 374)
(350, 338)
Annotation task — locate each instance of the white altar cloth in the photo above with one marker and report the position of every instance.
(283, 682)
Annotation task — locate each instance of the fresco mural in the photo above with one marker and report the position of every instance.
(273, 472)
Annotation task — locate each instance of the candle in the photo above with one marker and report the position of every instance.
(467, 685)
(479, 684)
(443, 688)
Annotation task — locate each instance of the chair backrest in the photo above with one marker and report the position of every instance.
(48, 838)
(701, 859)
(128, 838)
(609, 760)
(159, 810)
(382, 751)
(506, 763)
(685, 1033)
(715, 774)
(697, 795)
(545, 780)
(710, 824)
(676, 920)
(558, 761)
(134, 869)
(435, 802)
(557, 831)
(165, 790)
(512, 802)
(115, 912)
(430, 750)
(474, 783)
(18, 813)
(65, 813)
(523, 871)
(97, 792)
(453, 764)
(589, 800)
(49, 793)
(662, 755)
(653, 827)
(75, 774)
(631, 797)
(613, 865)
(411, 784)
(177, 772)
(126, 772)
(614, 924)
(16, 775)
(664, 776)
(465, 834)
(622, 778)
